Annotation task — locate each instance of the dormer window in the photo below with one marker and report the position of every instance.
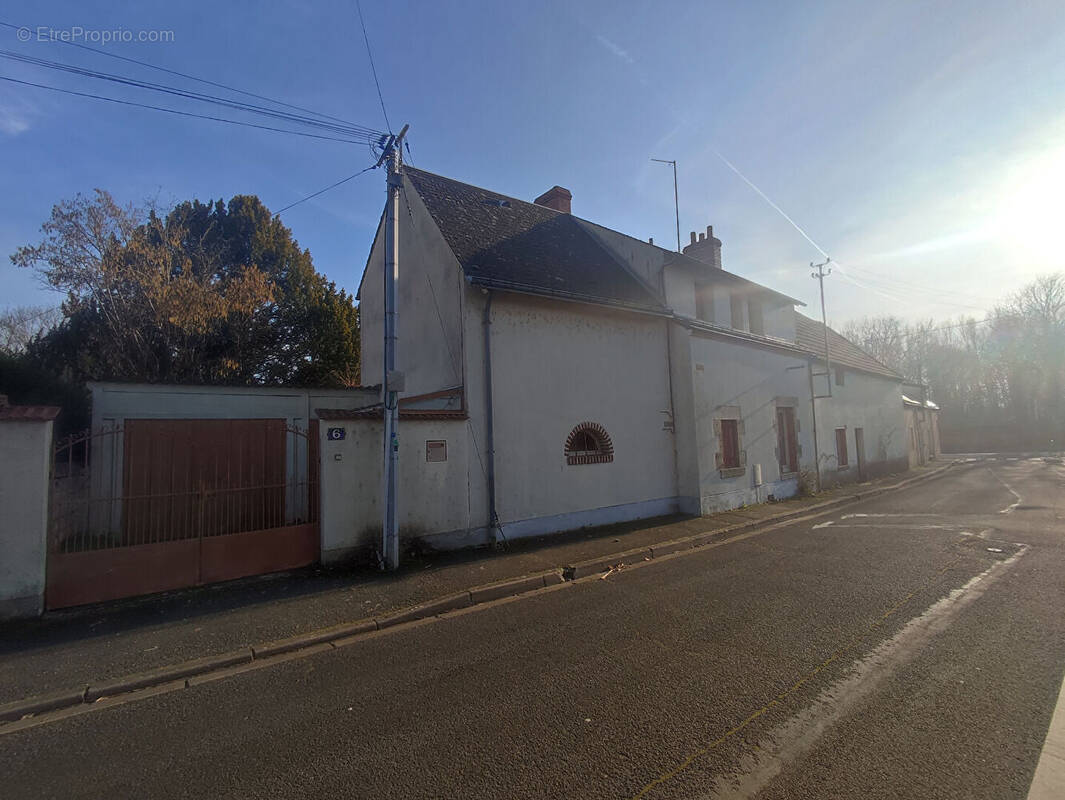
(704, 303)
(755, 319)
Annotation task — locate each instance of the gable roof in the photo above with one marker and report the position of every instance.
(505, 243)
(810, 336)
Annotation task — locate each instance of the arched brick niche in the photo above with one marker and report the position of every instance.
(589, 443)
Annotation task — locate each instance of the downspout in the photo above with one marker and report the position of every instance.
(813, 412)
(493, 516)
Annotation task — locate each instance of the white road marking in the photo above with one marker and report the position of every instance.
(799, 735)
(851, 516)
(1008, 509)
(823, 525)
(900, 526)
(1048, 783)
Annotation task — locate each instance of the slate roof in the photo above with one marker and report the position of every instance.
(810, 336)
(506, 243)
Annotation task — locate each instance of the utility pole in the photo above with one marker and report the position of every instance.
(676, 197)
(820, 276)
(393, 380)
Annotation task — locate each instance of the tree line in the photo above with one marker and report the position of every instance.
(1000, 380)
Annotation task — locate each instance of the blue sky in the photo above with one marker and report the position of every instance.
(922, 145)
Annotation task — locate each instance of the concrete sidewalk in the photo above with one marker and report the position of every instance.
(100, 643)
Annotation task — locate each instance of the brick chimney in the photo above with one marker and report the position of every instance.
(707, 248)
(557, 198)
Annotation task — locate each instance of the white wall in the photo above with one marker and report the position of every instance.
(556, 365)
(433, 496)
(680, 292)
(779, 321)
(874, 404)
(25, 462)
(428, 301)
(732, 373)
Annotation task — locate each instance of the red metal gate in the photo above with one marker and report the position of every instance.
(164, 504)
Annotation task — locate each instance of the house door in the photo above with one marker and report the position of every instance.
(859, 447)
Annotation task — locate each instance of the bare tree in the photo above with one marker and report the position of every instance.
(21, 325)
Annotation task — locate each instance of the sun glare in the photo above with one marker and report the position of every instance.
(1031, 213)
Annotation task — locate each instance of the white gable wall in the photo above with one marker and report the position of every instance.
(429, 346)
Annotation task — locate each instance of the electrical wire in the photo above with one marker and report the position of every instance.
(179, 113)
(184, 75)
(326, 189)
(373, 69)
(350, 130)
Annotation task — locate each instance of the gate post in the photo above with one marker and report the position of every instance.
(25, 479)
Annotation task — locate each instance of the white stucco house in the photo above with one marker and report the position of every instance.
(559, 374)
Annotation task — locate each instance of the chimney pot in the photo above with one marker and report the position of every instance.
(651, 240)
(707, 248)
(557, 198)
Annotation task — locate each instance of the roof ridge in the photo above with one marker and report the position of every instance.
(483, 189)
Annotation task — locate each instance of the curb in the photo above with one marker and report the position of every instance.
(91, 693)
(186, 670)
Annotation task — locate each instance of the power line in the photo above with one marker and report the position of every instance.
(373, 69)
(902, 294)
(186, 76)
(351, 130)
(180, 113)
(326, 189)
(868, 274)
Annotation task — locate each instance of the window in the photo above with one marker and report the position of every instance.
(589, 443)
(755, 318)
(730, 443)
(839, 376)
(787, 440)
(730, 457)
(736, 303)
(704, 303)
(841, 448)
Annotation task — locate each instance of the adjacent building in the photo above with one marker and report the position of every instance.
(559, 374)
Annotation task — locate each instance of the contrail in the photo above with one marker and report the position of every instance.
(805, 235)
(776, 208)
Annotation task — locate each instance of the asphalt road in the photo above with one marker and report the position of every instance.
(914, 647)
